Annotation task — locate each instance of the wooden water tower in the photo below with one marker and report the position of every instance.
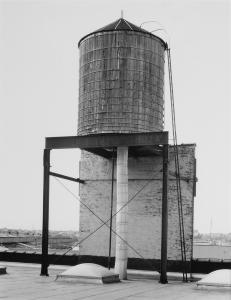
(125, 154)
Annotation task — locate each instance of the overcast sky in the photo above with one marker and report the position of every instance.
(39, 97)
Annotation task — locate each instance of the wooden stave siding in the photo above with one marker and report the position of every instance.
(125, 98)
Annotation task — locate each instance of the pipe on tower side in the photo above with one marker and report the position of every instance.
(121, 255)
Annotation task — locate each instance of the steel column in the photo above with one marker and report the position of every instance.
(45, 229)
(164, 228)
(111, 209)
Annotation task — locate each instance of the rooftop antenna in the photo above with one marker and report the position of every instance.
(122, 14)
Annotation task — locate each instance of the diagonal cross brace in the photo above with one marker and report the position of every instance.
(66, 177)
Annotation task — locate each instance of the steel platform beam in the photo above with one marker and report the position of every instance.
(107, 140)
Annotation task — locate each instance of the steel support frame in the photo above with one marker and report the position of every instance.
(45, 228)
(111, 208)
(157, 138)
(46, 192)
(66, 177)
(107, 140)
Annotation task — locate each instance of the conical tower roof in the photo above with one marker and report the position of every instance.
(120, 25)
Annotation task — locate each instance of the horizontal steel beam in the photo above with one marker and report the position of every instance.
(108, 140)
(100, 151)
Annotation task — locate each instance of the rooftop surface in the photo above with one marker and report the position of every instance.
(24, 282)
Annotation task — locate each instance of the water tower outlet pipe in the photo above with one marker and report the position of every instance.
(121, 255)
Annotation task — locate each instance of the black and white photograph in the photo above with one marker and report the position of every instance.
(115, 155)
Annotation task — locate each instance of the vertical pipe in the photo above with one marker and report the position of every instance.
(121, 255)
(45, 229)
(164, 229)
(193, 195)
(111, 209)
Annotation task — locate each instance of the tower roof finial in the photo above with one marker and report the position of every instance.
(122, 14)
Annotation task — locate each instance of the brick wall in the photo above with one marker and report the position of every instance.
(144, 210)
